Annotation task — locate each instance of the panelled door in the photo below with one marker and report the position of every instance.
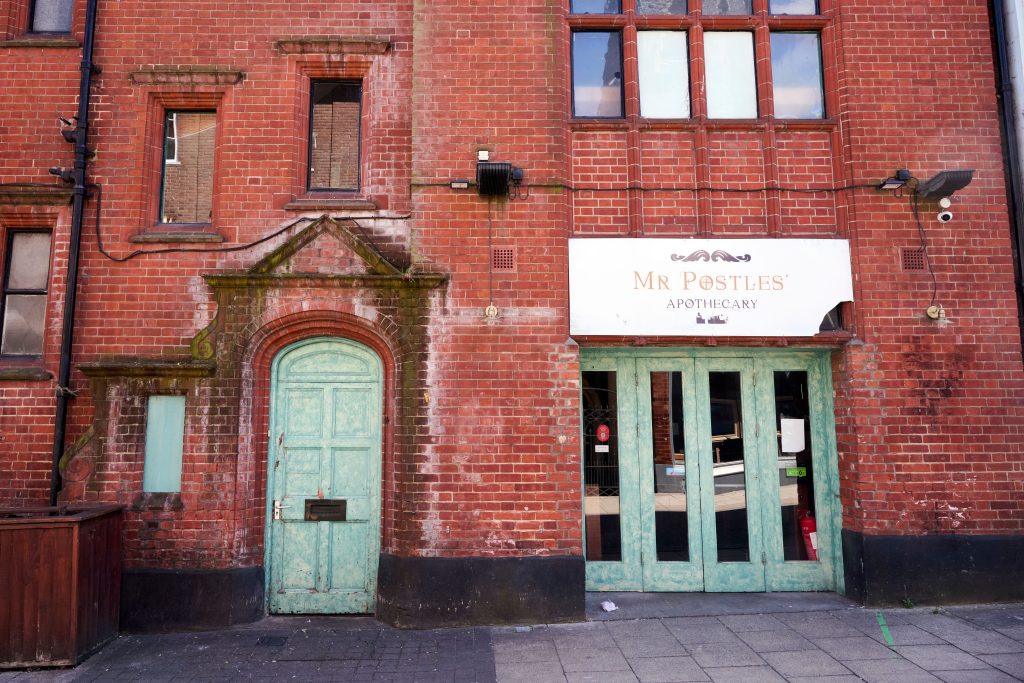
(709, 471)
(323, 507)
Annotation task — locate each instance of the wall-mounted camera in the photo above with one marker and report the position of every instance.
(945, 216)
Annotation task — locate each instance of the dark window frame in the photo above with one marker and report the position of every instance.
(167, 114)
(6, 290)
(313, 82)
(622, 71)
(31, 21)
(760, 24)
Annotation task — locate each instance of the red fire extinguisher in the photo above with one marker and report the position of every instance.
(809, 528)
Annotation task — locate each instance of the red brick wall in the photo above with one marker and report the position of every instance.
(483, 452)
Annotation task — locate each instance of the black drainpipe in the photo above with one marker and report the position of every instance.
(71, 289)
(1005, 96)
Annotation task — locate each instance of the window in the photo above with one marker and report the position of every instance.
(187, 187)
(171, 139)
(796, 75)
(165, 441)
(51, 16)
(730, 81)
(334, 118)
(26, 274)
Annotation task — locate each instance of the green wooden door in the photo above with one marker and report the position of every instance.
(325, 457)
(711, 495)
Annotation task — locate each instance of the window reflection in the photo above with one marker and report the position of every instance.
(189, 138)
(669, 462)
(597, 74)
(796, 76)
(729, 469)
(595, 7)
(661, 7)
(727, 7)
(792, 7)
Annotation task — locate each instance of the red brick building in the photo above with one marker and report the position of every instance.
(322, 376)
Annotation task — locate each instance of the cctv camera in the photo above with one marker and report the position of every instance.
(945, 216)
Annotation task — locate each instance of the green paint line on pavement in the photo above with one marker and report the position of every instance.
(885, 629)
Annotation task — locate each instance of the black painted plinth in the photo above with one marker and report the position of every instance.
(428, 592)
(933, 570)
(175, 600)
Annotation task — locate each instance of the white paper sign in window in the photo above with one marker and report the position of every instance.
(664, 74)
(731, 83)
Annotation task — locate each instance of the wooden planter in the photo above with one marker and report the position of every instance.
(60, 583)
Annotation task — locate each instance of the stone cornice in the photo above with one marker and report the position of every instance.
(169, 74)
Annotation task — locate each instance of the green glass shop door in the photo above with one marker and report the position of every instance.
(709, 471)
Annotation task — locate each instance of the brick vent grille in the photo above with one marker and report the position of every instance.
(913, 259)
(503, 259)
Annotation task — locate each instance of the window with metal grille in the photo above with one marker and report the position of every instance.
(503, 258)
(913, 259)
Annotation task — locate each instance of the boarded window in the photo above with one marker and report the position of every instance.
(165, 441)
(27, 272)
(334, 136)
(51, 16)
(187, 187)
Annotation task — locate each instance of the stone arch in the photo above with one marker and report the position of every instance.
(256, 362)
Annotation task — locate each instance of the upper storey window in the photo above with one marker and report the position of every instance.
(51, 16)
(734, 82)
(335, 114)
(187, 189)
(26, 275)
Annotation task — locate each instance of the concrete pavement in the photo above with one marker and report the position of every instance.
(651, 637)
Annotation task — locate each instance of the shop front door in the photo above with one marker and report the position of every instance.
(323, 507)
(709, 471)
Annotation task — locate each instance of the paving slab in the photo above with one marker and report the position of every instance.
(776, 641)
(812, 663)
(892, 669)
(667, 670)
(1011, 664)
(940, 657)
(745, 674)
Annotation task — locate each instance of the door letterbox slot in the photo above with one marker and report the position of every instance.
(318, 510)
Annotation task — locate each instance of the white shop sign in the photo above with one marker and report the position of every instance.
(729, 287)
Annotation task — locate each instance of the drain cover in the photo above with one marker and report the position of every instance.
(271, 641)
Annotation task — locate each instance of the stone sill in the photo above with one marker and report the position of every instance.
(313, 203)
(148, 367)
(176, 237)
(25, 374)
(41, 42)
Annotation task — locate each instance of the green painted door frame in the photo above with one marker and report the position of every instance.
(767, 569)
(324, 460)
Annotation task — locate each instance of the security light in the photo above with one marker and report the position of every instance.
(945, 183)
(896, 181)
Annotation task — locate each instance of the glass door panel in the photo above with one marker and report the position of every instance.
(603, 526)
(669, 481)
(610, 488)
(798, 517)
(796, 469)
(730, 483)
